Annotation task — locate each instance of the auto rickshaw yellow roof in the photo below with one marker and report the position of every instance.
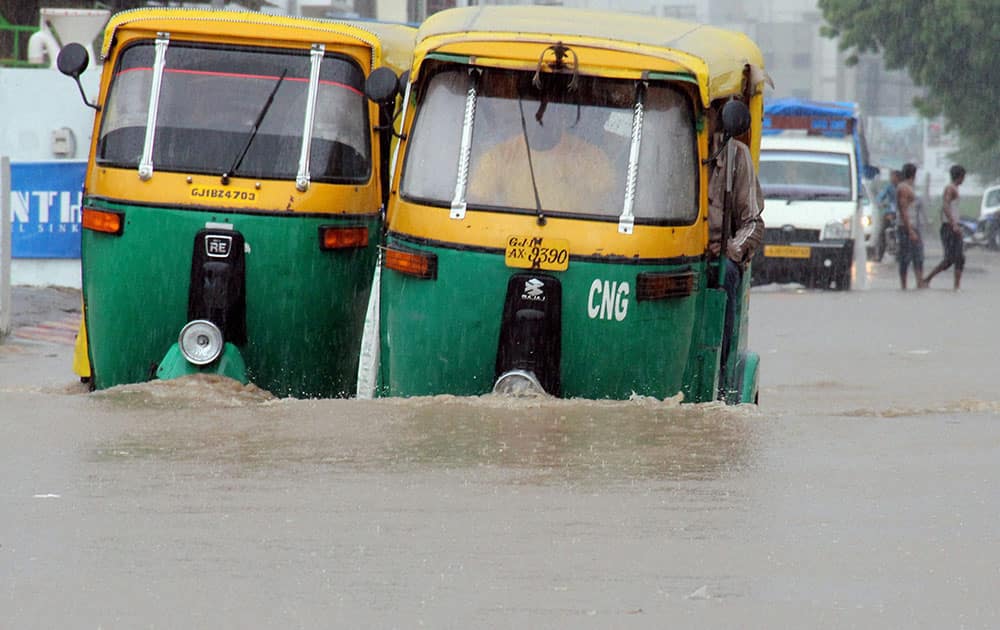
(716, 57)
(391, 43)
(397, 40)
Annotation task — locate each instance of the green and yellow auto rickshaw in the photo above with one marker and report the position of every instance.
(233, 197)
(580, 270)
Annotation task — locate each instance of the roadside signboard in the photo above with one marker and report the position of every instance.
(45, 205)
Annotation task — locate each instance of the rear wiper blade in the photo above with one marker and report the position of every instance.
(539, 213)
(254, 129)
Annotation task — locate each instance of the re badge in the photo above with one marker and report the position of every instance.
(218, 245)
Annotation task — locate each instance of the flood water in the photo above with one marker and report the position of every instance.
(861, 492)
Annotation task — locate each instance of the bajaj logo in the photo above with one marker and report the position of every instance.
(533, 290)
(217, 246)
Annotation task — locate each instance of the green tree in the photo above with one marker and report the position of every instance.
(949, 47)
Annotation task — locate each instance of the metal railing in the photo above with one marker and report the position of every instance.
(13, 33)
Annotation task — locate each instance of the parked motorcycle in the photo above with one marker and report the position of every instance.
(984, 232)
(887, 243)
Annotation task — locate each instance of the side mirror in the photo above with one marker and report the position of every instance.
(735, 118)
(72, 61)
(382, 85)
(869, 171)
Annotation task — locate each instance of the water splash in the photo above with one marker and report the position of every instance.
(193, 391)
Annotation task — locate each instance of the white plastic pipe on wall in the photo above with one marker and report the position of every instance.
(43, 48)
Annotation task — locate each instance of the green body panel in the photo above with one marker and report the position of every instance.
(441, 336)
(305, 307)
(741, 381)
(230, 363)
(750, 374)
(701, 377)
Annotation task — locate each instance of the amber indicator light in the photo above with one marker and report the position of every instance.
(416, 264)
(342, 237)
(654, 285)
(103, 221)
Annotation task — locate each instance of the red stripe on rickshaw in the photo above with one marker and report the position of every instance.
(234, 75)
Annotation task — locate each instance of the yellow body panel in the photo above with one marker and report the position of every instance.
(370, 44)
(396, 42)
(179, 190)
(586, 238)
(81, 360)
(716, 57)
(260, 28)
(512, 50)
(617, 45)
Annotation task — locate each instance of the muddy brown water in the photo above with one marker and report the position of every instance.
(861, 492)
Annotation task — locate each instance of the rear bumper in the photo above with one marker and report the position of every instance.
(810, 263)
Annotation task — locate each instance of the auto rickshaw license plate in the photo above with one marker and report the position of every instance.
(222, 193)
(537, 252)
(786, 251)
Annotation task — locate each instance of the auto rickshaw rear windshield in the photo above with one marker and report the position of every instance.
(209, 99)
(559, 144)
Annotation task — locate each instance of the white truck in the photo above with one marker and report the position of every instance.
(813, 166)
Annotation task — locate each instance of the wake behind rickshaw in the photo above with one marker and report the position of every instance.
(547, 226)
(233, 196)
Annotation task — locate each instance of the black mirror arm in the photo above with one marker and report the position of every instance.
(722, 147)
(84, 96)
(391, 127)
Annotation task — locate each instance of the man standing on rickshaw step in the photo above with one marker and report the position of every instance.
(746, 202)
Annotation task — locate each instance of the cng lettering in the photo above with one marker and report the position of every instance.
(608, 300)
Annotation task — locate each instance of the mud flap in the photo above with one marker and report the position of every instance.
(748, 372)
(368, 363)
(81, 354)
(230, 363)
